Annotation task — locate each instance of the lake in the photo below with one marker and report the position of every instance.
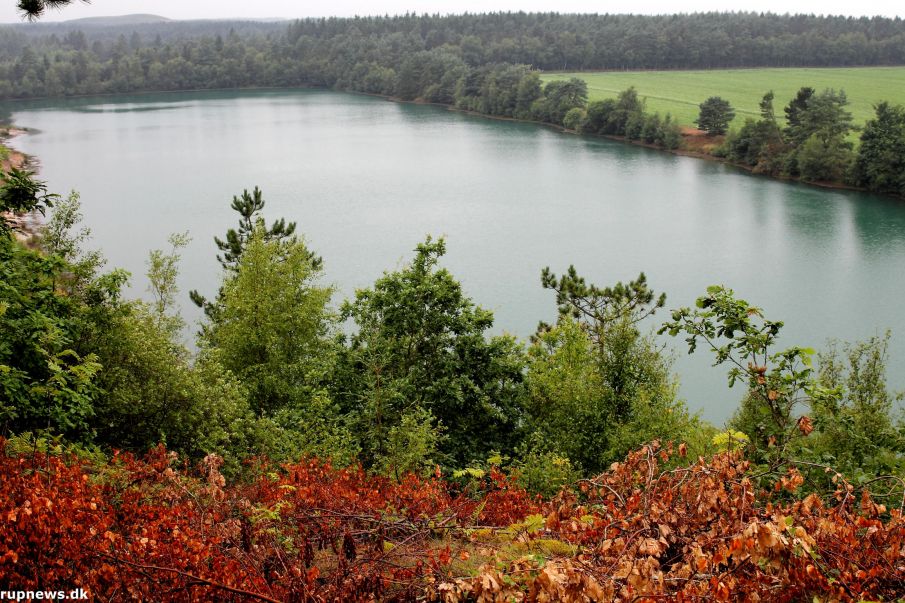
(366, 179)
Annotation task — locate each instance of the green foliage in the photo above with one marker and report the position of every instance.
(600, 307)
(795, 110)
(652, 132)
(759, 144)
(628, 108)
(822, 159)
(854, 430)
(598, 116)
(21, 193)
(575, 119)
(729, 440)
(47, 310)
(420, 345)
(715, 115)
(153, 391)
(609, 316)
(671, 134)
(880, 165)
(528, 91)
(818, 128)
(625, 116)
(634, 126)
(57, 236)
(849, 427)
(823, 115)
(272, 326)
(411, 445)
(560, 97)
(737, 334)
(568, 407)
(597, 387)
(316, 428)
(52, 302)
(585, 408)
(163, 268)
(249, 206)
(540, 470)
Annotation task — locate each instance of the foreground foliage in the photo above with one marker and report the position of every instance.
(803, 499)
(129, 529)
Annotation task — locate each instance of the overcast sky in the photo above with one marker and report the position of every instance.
(208, 9)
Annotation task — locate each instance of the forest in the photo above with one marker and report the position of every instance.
(489, 64)
(390, 446)
(368, 53)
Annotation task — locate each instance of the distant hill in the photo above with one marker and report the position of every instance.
(119, 20)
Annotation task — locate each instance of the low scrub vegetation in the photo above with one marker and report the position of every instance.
(156, 529)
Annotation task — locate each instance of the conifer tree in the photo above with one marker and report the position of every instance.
(249, 206)
(715, 115)
(32, 9)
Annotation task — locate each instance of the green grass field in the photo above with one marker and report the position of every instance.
(680, 92)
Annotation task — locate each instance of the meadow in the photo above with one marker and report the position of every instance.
(680, 92)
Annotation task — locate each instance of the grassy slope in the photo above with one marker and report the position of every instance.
(680, 92)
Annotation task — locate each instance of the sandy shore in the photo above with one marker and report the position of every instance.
(24, 225)
(14, 159)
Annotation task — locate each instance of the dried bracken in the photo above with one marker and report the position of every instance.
(152, 530)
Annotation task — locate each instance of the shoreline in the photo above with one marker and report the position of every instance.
(25, 226)
(15, 159)
(10, 131)
(841, 186)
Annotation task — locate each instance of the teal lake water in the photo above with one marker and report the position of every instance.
(367, 179)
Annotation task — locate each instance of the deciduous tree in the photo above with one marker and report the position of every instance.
(595, 383)
(421, 346)
(272, 326)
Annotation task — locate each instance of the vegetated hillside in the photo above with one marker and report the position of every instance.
(681, 92)
(120, 20)
(463, 465)
(310, 532)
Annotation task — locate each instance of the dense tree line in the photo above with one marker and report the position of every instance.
(814, 142)
(370, 53)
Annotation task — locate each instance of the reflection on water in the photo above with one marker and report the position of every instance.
(367, 179)
(128, 108)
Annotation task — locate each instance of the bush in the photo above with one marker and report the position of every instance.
(634, 126)
(824, 159)
(575, 119)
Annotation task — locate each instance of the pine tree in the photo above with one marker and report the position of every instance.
(32, 9)
(249, 206)
(715, 115)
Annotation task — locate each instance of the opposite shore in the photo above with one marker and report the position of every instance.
(694, 143)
